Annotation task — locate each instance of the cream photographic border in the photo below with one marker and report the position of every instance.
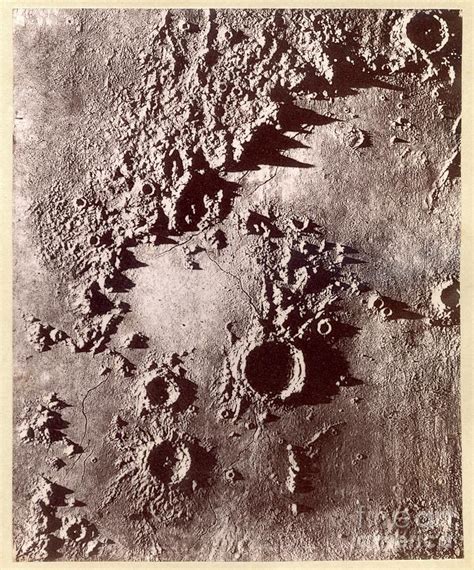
(467, 281)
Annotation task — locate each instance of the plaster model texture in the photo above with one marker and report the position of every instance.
(236, 325)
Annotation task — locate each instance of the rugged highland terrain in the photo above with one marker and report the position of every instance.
(236, 284)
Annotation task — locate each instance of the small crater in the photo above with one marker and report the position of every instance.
(450, 295)
(445, 296)
(162, 391)
(324, 327)
(168, 463)
(147, 188)
(386, 313)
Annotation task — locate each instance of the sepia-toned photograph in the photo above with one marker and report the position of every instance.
(236, 274)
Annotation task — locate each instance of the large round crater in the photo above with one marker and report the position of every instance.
(427, 31)
(274, 368)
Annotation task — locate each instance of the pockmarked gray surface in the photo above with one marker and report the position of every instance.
(236, 284)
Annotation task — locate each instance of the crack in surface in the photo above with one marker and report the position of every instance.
(84, 465)
(237, 278)
(83, 404)
(264, 182)
(181, 243)
(86, 420)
